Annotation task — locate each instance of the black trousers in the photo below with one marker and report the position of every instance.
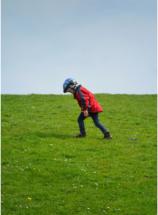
(96, 121)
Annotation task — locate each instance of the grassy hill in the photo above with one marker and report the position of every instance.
(46, 171)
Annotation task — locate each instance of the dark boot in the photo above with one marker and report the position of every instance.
(80, 135)
(107, 135)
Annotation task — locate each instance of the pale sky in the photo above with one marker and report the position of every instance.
(109, 46)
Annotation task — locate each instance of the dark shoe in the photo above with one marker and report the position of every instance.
(107, 136)
(80, 135)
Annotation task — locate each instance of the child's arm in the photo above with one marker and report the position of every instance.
(84, 101)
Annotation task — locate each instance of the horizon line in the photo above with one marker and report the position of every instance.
(64, 94)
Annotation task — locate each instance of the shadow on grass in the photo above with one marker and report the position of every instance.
(54, 135)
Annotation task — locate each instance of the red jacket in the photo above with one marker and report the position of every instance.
(86, 100)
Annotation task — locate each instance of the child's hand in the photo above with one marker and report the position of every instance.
(85, 112)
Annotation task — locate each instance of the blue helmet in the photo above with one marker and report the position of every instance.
(67, 83)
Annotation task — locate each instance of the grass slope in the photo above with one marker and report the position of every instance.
(48, 172)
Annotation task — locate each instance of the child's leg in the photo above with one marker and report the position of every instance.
(97, 123)
(81, 124)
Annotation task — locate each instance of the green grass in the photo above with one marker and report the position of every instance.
(46, 171)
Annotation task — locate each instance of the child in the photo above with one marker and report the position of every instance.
(89, 106)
